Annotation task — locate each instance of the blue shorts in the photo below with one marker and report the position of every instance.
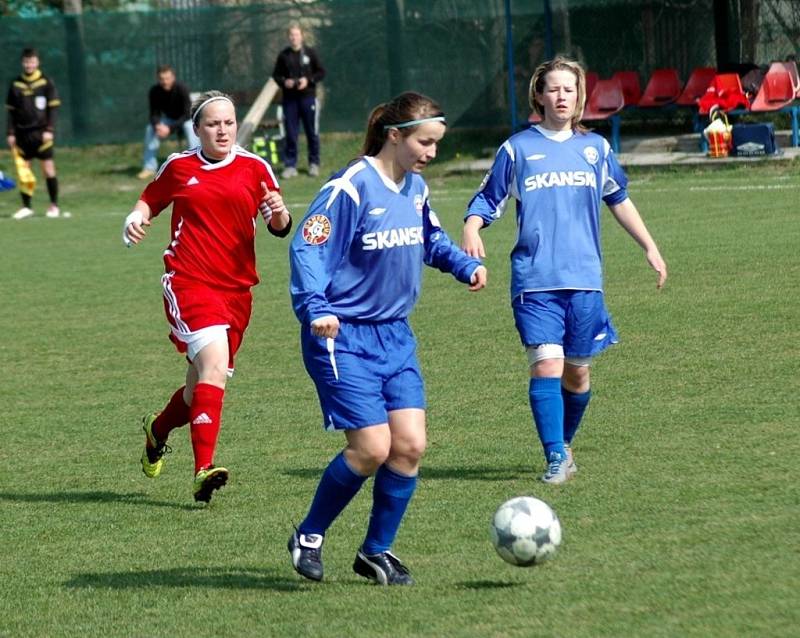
(369, 370)
(575, 319)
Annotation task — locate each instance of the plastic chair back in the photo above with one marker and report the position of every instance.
(696, 85)
(631, 88)
(664, 87)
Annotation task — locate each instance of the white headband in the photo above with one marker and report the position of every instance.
(203, 105)
(438, 118)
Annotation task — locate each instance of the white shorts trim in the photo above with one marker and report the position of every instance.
(199, 339)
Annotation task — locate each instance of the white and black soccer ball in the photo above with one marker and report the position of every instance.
(525, 531)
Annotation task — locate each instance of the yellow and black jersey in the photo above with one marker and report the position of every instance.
(31, 103)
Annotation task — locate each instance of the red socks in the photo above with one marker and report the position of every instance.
(204, 415)
(175, 415)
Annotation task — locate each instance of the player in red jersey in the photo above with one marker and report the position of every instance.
(216, 192)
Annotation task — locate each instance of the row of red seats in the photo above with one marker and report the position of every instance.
(704, 89)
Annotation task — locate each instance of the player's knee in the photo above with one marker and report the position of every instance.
(409, 448)
(371, 455)
(577, 375)
(215, 373)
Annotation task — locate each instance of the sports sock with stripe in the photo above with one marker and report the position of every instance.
(204, 416)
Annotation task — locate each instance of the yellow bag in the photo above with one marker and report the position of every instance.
(25, 176)
(718, 133)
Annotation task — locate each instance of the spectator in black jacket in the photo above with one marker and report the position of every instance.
(32, 102)
(297, 72)
(170, 104)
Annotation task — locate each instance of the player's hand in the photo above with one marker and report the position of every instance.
(327, 326)
(478, 279)
(47, 136)
(288, 83)
(12, 141)
(302, 83)
(272, 204)
(658, 264)
(471, 241)
(133, 229)
(162, 130)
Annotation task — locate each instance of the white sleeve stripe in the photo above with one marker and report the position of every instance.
(509, 150)
(501, 208)
(172, 158)
(343, 183)
(267, 165)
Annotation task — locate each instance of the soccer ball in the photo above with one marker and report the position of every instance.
(525, 531)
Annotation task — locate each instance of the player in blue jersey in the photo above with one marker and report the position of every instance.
(356, 264)
(559, 174)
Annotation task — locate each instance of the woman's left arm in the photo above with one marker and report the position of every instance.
(626, 213)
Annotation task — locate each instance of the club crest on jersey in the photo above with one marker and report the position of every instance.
(591, 155)
(316, 230)
(418, 203)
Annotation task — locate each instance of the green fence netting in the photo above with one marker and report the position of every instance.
(104, 63)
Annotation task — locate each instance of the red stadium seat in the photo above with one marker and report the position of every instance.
(591, 82)
(664, 87)
(631, 88)
(606, 99)
(776, 91)
(726, 92)
(696, 85)
(791, 68)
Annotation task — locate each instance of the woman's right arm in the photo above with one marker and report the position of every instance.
(133, 229)
(489, 203)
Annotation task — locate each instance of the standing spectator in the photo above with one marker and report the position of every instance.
(169, 113)
(32, 104)
(297, 72)
(216, 192)
(356, 274)
(560, 174)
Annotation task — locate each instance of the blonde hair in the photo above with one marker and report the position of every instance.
(402, 109)
(204, 98)
(539, 80)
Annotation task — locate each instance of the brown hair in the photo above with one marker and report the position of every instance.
(164, 68)
(405, 107)
(539, 79)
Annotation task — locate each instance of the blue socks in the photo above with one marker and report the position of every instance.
(390, 497)
(574, 407)
(337, 487)
(547, 406)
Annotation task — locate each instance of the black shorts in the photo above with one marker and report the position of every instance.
(31, 145)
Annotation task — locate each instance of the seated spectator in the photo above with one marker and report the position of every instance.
(169, 113)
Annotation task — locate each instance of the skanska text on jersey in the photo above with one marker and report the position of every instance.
(560, 178)
(392, 238)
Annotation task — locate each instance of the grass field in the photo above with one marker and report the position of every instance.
(683, 520)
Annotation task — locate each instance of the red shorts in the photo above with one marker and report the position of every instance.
(191, 307)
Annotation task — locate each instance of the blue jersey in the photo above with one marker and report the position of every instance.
(558, 181)
(359, 251)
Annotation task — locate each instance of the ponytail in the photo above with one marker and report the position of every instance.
(404, 111)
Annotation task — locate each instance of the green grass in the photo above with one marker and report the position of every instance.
(683, 520)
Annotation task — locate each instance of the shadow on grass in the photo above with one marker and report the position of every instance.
(487, 584)
(212, 577)
(441, 473)
(128, 498)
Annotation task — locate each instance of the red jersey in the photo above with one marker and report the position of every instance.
(215, 206)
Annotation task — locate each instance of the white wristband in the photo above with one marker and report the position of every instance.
(134, 217)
